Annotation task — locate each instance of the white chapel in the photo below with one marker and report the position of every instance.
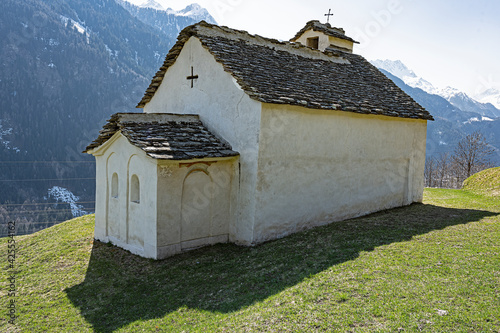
(246, 139)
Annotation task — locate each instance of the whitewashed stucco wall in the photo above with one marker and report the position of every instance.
(225, 109)
(212, 202)
(127, 224)
(298, 167)
(316, 167)
(155, 226)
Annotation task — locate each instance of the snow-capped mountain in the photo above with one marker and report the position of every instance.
(398, 69)
(193, 12)
(451, 123)
(465, 103)
(456, 97)
(168, 21)
(491, 95)
(151, 4)
(196, 12)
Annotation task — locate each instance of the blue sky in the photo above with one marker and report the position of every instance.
(448, 42)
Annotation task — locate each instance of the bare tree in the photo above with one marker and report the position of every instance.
(443, 170)
(472, 155)
(430, 169)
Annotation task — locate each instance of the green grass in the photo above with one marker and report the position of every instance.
(432, 267)
(486, 182)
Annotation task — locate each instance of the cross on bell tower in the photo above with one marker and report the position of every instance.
(328, 15)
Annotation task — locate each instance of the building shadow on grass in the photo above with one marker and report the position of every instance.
(121, 288)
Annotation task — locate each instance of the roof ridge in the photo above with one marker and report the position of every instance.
(286, 46)
(142, 117)
(326, 28)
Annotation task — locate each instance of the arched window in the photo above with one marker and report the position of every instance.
(135, 190)
(114, 186)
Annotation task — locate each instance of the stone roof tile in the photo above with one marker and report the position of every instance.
(276, 72)
(165, 136)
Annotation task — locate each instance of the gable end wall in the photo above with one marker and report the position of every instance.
(225, 109)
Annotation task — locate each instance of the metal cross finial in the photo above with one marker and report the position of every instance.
(328, 15)
(192, 77)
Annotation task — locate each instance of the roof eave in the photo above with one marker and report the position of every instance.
(342, 109)
(101, 149)
(197, 159)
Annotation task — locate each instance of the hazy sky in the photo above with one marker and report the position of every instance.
(447, 42)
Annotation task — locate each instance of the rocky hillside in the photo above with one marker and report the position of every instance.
(65, 67)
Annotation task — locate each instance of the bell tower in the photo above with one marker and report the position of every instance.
(323, 36)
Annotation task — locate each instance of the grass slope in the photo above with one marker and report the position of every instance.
(433, 267)
(486, 182)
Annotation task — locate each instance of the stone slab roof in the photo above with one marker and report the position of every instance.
(277, 72)
(165, 136)
(326, 28)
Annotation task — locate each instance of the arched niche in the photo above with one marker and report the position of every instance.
(196, 206)
(135, 189)
(113, 209)
(137, 196)
(114, 185)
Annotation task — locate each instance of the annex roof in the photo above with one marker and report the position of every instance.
(271, 71)
(165, 136)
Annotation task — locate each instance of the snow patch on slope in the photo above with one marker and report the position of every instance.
(61, 194)
(478, 119)
(3, 141)
(78, 26)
